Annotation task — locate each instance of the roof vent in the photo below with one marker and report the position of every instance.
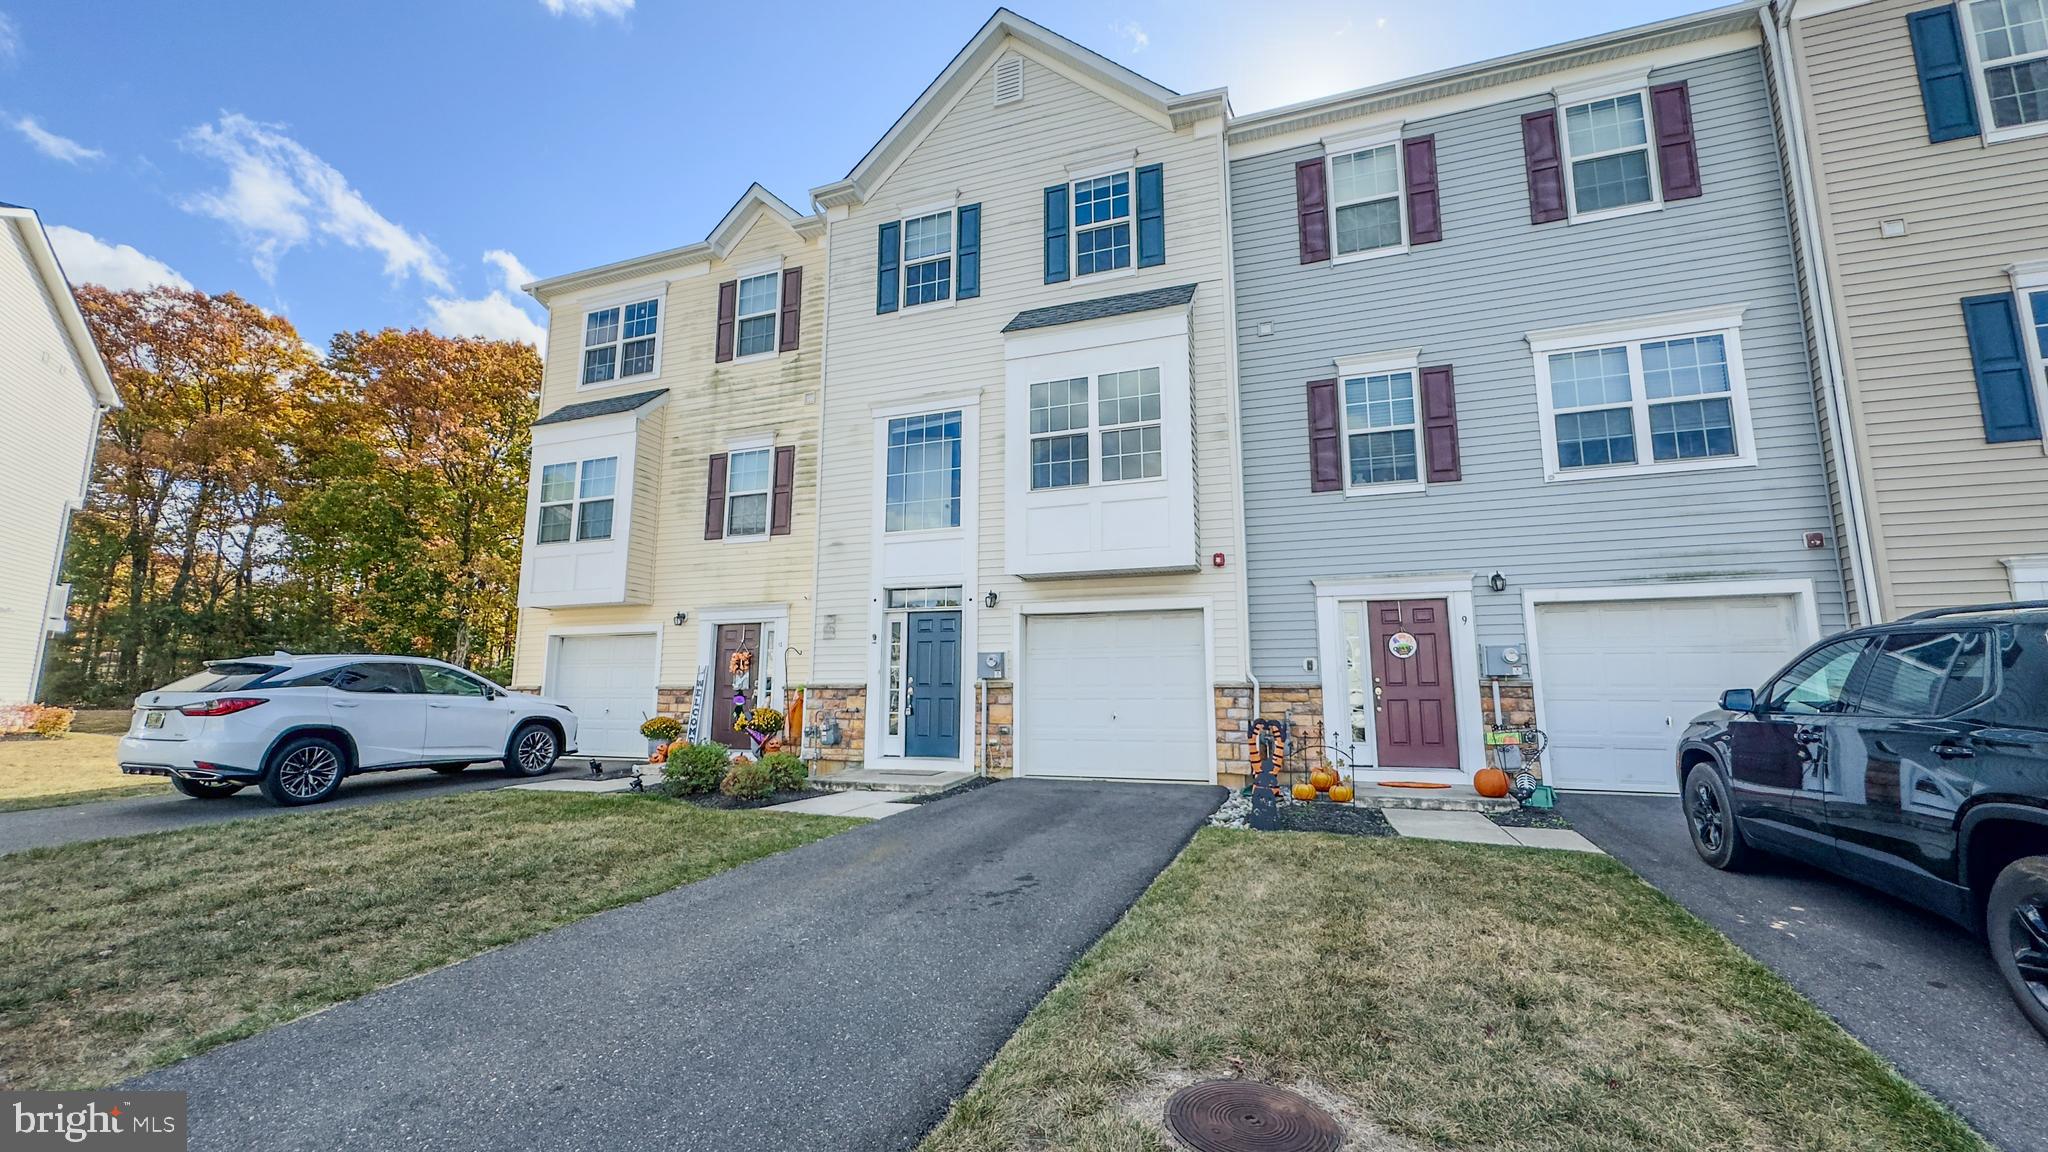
(1009, 80)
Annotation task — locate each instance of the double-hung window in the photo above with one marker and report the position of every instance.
(748, 476)
(577, 496)
(2009, 45)
(758, 298)
(1102, 223)
(1382, 429)
(620, 342)
(1124, 430)
(1059, 434)
(922, 476)
(1642, 401)
(1365, 197)
(1127, 411)
(1607, 144)
(928, 258)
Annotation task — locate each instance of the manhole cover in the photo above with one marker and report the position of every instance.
(1241, 1116)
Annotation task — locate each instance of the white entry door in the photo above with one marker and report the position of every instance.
(608, 681)
(1117, 695)
(1619, 680)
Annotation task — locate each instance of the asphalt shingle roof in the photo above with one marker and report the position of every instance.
(610, 406)
(1107, 306)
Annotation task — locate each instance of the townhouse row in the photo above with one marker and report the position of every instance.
(1084, 420)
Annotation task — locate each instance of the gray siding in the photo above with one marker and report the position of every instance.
(1469, 301)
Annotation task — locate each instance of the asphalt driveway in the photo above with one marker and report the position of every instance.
(1917, 990)
(133, 816)
(838, 996)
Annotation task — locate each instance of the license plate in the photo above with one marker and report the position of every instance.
(153, 720)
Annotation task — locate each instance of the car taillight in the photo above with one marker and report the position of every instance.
(225, 706)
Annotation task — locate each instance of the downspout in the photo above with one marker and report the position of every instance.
(35, 672)
(1241, 578)
(818, 488)
(1777, 25)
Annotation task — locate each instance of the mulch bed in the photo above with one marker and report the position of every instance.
(721, 800)
(1339, 818)
(967, 785)
(1529, 818)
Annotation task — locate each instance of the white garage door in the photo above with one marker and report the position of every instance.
(608, 681)
(1621, 679)
(1117, 695)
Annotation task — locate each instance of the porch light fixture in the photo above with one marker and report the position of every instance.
(1497, 582)
(989, 601)
(680, 617)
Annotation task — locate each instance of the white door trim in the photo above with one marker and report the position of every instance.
(554, 635)
(1023, 612)
(710, 619)
(1455, 588)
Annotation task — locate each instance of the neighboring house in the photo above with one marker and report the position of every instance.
(53, 390)
(1925, 131)
(670, 519)
(1030, 429)
(1523, 367)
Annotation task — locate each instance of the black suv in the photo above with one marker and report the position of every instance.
(1910, 756)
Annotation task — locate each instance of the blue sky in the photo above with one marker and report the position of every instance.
(409, 162)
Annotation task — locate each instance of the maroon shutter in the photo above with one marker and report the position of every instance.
(1440, 424)
(1425, 216)
(1312, 210)
(1677, 160)
(714, 500)
(1325, 453)
(792, 308)
(784, 496)
(728, 309)
(1546, 169)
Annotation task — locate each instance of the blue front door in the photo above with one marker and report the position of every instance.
(934, 713)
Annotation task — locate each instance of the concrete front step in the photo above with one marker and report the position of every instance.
(1453, 799)
(884, 780)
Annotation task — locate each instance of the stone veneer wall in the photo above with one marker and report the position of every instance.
(1002, 726)
(1517, 703)
(1300, 705)
(846, 705)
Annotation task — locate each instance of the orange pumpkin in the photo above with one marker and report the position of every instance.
(1304, 792)
(1491, 783)
(1341, 793)
(1322, 779)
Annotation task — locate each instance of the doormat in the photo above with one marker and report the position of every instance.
(1411, 784)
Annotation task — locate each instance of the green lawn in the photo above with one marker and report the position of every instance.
(70, 769)
(1436, 996)
(122, 955)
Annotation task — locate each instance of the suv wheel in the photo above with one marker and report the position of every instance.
(1710, 819)
(2016, 924)
(205, 789)
(304, 770)
(532, 750)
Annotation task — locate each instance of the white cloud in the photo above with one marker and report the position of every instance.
(52, 145)
(497, 316)
(10, 40)
(589, 9)
(1131, 31)
(279, 194)
(87, 259)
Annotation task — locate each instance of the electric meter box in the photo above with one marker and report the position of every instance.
(1505, 660)
(990, 666)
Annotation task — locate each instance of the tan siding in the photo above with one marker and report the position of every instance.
(48, 430)
(1948, 505)
(1003, 159)
(709, 405)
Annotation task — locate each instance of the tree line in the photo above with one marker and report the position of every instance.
(255, 493)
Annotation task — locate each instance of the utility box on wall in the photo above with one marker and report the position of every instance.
(1507, 661)
(990, 666)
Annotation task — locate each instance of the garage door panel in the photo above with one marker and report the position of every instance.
(1621, 679)
(609, 682)
(1117, 695)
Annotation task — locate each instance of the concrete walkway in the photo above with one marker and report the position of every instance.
(838, 996)
(1475, 828)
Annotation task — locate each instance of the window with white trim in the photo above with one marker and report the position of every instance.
(928, 258)
(1122, 425)
(1059, 434)
(577, 495)
(2010, 43)
(758, 298)
(748, 476)
(922, 478)
(1608, 154)
(1382, 429)
(1644, 403)
(1102, 223)
(621, 342)
(1127, 411)
(1365, 199)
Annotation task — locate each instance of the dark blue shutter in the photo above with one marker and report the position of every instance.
(1945, 85)
(888, 284)
(967, 253)
(2005, 383)
(1151, 216)
(1056, 234)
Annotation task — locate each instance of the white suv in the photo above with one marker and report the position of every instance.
(297, 724)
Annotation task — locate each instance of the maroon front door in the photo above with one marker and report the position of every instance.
(1414, 709)
(726, 686)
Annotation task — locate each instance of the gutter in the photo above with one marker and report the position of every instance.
(1777, 23)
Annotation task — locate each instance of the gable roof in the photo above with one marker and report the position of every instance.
(967, 66)
(29, 227)
(1102, 308)
(716, 246)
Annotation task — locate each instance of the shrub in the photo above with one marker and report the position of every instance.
(748, 780)
(663, 728)
(50, 723)
(696, 768)
(37, 719)
(786, 770)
